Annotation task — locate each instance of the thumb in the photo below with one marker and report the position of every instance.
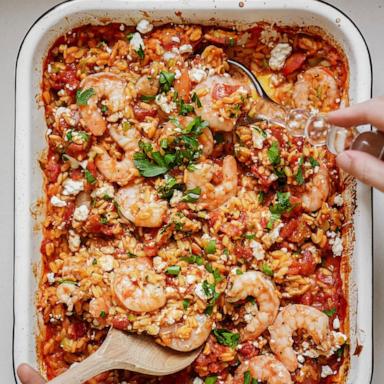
(364, 167)
(28, 375)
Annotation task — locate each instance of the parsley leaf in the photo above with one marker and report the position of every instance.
(330, 312)
(193, 259)
(210, 247)
(314, 163)
(82, 96)
(185, 304)
(274, 217)
(184, 109)
(225, 337)
(166, 80)
(274, 153)
(283, 203)
(196, 100)
(247, 377)
(267, 269)
(165, 191)
(192, 195)
(140, 52)
(147, 98)
(210, 380)
(89, 177)
(299, 175)
(173, 270)
(146, 167)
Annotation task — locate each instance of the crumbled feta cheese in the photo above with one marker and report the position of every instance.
(122, 27)
(51, 277)
(177, 74)
(162, 101)
(175, 39)
(176, 198)
(61, 110)
(336, 323)
(257, 250)
(257, 139)
(106, 190)
(338, 200)
(300, 359)
(137, 42)
(197, 380)
(81, 213)
(337, 247)
(190, 279)
(106, 263)
(197, 75)
(72, 187)
(186, 48)
(144, 26)
(199, 291)
(158, 264)
(326, 371)
(275, 233)
(73, 241)
(55, 201)
(276, 79)
(243, 39)
(278, 56)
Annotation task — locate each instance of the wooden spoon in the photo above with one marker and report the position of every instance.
(137, 353)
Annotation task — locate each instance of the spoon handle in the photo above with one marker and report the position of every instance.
(81, 372)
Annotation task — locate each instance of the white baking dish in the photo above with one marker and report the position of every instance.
(30, 141)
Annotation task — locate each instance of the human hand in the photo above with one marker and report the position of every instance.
(28, 375)
(363, 166)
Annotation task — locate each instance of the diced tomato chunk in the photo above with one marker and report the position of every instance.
(294, 62)
(77, 330)
(120, 322)
(52, 169)
(304, 266)
(141, 113)
(183, 85)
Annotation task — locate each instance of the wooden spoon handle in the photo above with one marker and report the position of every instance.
(88, 368)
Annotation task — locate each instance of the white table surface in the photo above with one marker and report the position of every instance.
(16, 16)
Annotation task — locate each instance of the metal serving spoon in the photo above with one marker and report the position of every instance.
(314, 127)
(137, 353)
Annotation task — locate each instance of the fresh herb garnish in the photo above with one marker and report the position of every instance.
(260, 197)
(89, 177)
(146, 167)
(166, 80)
(274, 153)
(82, 96)
(140, 52)
(231, 42)
(249, 236)
(103, 219)
(147, 98)
(185, 304)
(191, 195)
(166, 190)
(283, 203)
(274, 217)
(239, 271)
(210, 380)
(267, 269)
(225, 337)
(173, 270)
(299, 175)
(210, 247)
(314, 163)
(330, 312)
(193, 259)
(104, 108)
(102, 314)
(184, 109)
(247, 377)
(196, 100)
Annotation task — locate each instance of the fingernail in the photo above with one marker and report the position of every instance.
(344, 160)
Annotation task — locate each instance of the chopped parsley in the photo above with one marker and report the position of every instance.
(82, 96)
(260, 197)
(239, 271)
(283, 203)
(103, 314)
(89, 177)
(193, 259)
(299, 175)
(166, 190)
(173, 270)
(104, 108)
(231, 42)
(314, 163)
(330, 312)
(140, 52)
(166, 80)
(196, 100)
(225, 337)
(184, 109)
(274, 153)
(210, 380)
(103, 219)
(267, 269)
(192, 195)
(210, 247)
(249, 236)
(147, 98)
(186, 304)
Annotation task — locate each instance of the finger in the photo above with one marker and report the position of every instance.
(364, 167)
(368, 112)
(28, 375)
